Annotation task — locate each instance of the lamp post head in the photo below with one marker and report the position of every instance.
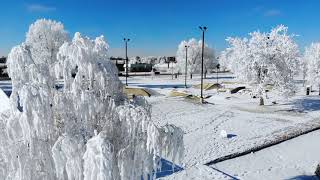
(204, 28)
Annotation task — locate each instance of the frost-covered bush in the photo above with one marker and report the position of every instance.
(87, 129)
(264, 59)
(194, 57)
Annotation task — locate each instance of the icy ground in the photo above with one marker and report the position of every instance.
(247, 124)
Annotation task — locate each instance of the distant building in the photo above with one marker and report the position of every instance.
(119, 62)
(141, 67)
(144, 64)
(168, 66)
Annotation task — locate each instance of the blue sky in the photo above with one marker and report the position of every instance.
(157, 26)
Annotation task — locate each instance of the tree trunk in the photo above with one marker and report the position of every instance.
(318, 171)
(261, 101)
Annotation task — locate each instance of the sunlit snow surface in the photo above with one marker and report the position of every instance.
(247, 124)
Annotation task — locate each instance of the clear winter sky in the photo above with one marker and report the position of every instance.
(157, 26)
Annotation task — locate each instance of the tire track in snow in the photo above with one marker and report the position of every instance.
(213, 120)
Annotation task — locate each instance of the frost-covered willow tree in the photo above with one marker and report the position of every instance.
(87, 129)
(264, 59)
(194, 57)
(311, 61)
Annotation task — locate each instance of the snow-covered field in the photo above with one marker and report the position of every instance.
(247, 124)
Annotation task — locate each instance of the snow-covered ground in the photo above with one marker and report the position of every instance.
(247, 124)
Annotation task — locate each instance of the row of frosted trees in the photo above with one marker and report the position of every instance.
(260, 60)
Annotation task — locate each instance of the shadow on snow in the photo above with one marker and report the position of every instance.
(161, 86)
(167, 168)
(307, 104)
(304, 177)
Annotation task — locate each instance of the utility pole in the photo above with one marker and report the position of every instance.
(126, 43)
(203, 29)
(185, 72)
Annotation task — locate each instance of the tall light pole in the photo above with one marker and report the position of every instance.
(126, 40)
(218, 67)
(203, 29)
(185, 72)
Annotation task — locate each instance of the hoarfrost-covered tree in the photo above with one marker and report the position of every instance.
(194, 57)
(86, 129)
(264, 59)
(29, 130)
(312, 64)
(234, 58)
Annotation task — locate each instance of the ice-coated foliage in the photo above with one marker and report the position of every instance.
(69, 118)
(312, 64)
(194, 56)
(29, 131)
(264, 59)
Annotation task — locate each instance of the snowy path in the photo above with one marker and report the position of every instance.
(293, 159)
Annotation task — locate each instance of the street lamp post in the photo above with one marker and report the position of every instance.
(172, 70)
(126, 42)
(203, 29)
(185, 72)
(218, 67)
